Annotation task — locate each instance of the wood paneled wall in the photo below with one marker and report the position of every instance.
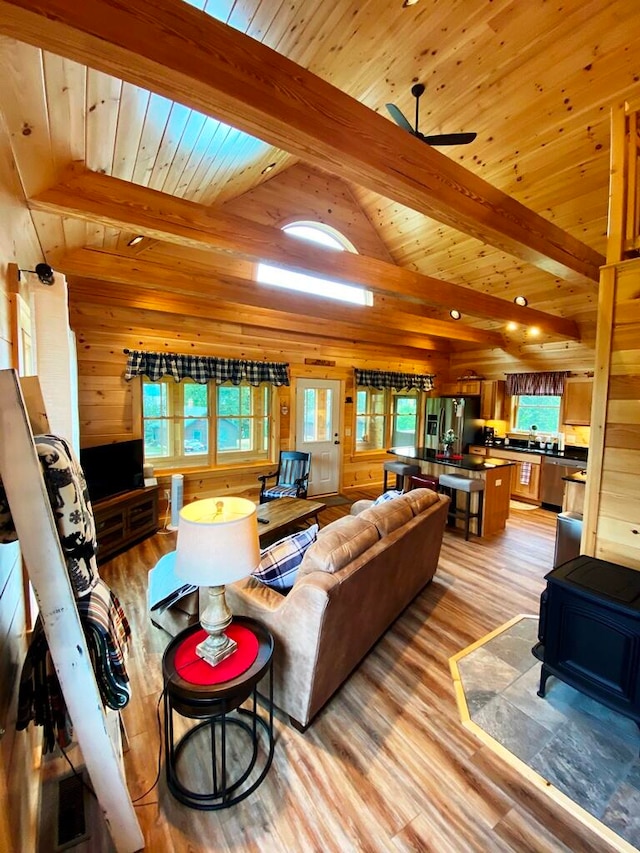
(612, 515)
(108, 404)
(18, 750)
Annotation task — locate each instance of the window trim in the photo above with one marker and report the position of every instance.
(213, 459)
(391, 395)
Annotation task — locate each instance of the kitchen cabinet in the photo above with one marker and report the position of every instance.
(478, 450)
(525, 482)
(461, 387)
(526, 485)
(492, 400)
(125, 519)
(576, 401)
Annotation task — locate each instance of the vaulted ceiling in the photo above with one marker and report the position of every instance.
(161, 120)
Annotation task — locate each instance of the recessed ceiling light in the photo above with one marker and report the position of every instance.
(135, 240)
(455, 314)
(534, 331)
(268, 168)
(511, 326)
(521, 300)
(409, 3)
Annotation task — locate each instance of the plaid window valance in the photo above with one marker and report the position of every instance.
(548, 384)
(203, 369)
(381, 379)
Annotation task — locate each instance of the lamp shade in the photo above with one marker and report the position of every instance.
(218, 541)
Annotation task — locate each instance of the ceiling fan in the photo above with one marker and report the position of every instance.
(439, 139)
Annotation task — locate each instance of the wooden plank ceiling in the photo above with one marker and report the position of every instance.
(528, 198)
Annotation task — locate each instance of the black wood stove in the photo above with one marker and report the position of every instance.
(589, 632)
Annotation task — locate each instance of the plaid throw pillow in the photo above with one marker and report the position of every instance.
(386, 496)
(279, 562)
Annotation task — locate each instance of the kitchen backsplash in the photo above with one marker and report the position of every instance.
(577, 436)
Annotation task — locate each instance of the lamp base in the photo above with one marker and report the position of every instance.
(215, 649)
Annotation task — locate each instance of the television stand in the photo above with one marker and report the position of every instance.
(124, 519)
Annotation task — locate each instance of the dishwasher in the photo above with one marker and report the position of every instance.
(552, 485)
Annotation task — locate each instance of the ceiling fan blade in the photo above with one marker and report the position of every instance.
(450, 138)
(399, 119)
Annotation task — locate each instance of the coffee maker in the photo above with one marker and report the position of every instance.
(488, 434)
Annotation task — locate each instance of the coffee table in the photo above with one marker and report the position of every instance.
(284, 513)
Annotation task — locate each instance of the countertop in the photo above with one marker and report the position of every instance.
(468, 462)
(576, 453)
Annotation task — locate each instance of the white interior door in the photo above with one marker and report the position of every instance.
(318, 433)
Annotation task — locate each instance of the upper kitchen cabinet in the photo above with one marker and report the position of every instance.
(492, 403)
(465, 386)
(576, 400)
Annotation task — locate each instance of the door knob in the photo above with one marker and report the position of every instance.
(336, 442)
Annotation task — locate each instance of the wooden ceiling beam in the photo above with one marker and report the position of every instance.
(233, 283)
(104, 304)
(102, 311)
(187, 56)
(94, 197)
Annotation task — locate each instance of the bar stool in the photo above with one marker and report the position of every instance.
(424, 481)
(451, 484)
(402, 470)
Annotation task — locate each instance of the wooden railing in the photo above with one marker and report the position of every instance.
(624, 184)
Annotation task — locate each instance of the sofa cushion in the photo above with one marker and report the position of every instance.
(338, 544)
(420, 499)
(388, 516)
(279, 563)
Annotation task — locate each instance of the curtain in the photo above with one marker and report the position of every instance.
(550, 383)
(381, 379)
(203, 369)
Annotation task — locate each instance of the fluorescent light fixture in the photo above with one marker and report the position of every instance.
(135, 240)
(311, 284)
(522, 301)
(455, 314)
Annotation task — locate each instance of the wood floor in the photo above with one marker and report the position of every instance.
(386, 766)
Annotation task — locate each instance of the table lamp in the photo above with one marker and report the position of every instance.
(217, 544)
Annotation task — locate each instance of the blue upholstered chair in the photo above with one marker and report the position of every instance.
(291, 477)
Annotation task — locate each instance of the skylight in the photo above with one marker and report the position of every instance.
(312, 284)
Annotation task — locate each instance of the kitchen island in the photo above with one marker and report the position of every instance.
(497, 479)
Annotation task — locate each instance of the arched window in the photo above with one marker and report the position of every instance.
(324, 235)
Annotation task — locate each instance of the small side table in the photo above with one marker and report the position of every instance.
(193, 689)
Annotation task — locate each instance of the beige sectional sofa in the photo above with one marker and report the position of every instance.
(352, 584)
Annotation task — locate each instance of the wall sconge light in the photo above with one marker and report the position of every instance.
(284, 409)
(44, 273)
(522, 301)
(455, 314)
(135, 240)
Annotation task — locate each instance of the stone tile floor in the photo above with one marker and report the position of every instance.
(585, 750)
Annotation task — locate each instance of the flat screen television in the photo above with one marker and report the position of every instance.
(110, 469)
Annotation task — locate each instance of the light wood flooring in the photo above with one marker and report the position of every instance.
(386, 766)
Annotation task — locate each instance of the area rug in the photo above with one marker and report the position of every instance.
(573, 748)
(335, 500)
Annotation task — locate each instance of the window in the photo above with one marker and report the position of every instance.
(385, 418)
(188, 424)
(540, 411)
(324, 235)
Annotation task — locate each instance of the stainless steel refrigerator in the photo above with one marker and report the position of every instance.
(461, 414)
